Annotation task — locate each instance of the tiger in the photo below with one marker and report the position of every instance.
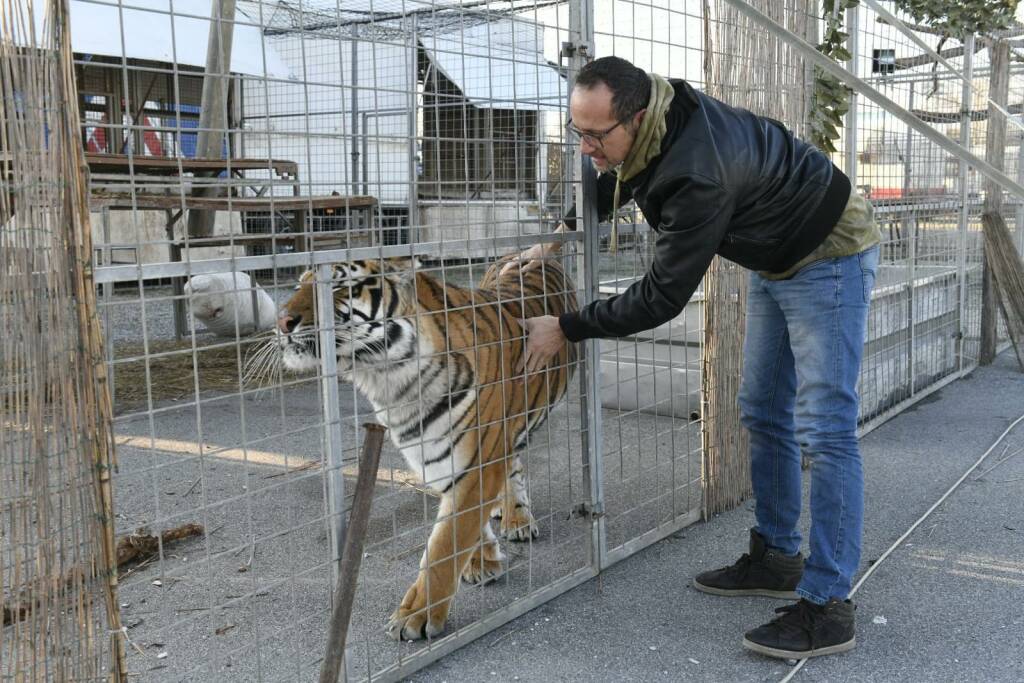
(440, 364)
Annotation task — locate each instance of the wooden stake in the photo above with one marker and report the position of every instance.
(352, 554)
(995, 153)
(1008, 275)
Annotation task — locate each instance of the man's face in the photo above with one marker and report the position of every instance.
(591, 111)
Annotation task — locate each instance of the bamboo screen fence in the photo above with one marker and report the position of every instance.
(59, 599)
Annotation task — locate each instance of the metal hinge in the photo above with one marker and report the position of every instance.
(581, 49)
(590, 511)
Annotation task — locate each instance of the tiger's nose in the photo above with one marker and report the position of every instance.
(287, 323)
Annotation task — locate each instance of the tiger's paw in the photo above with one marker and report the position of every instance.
(406, 624)
(518, 525)
(413, 620)
(484, 567)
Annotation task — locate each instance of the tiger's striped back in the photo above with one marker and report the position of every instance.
(438, 360)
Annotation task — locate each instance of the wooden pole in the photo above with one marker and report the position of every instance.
(352, 554)
(97, 402)
(1008, 278)
(213, 105)
(995, 154)
(764, 88)
(726, 463)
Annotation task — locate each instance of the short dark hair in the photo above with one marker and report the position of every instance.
(630, 85)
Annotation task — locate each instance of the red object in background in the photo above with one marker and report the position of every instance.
(96, 139)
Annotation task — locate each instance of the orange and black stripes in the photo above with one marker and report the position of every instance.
(440, 364)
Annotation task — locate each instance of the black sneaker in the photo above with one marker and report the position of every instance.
(762, 571)
(805, 630)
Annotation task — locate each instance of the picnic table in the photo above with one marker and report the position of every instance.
(176, 185)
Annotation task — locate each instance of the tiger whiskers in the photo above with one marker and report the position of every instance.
(263, 365)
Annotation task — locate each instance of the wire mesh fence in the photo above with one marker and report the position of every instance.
(925, 325)
(372, 164)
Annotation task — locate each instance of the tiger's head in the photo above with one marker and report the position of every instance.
(370, 299)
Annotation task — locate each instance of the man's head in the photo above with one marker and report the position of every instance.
(607, 105)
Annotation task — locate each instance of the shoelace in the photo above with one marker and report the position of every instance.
(741, 568)
(800, 615)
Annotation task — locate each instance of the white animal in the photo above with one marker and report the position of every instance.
(220, 299)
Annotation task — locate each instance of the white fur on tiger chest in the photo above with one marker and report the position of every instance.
(434, 455)
(413, 400)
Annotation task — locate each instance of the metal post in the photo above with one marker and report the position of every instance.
(366, 154)
(910, 232)
(850, 125)
(177, 285)
(1019, 201)
(332, 416)
(581, 35)
(355, 112)
(965, 139)
(413, 128)
(593, 466)
(908, 147)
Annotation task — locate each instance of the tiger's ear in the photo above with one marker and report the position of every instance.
(402, 264)
(402, 269)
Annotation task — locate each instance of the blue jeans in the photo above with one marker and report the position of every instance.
(801, 359)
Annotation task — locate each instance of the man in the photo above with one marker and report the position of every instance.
(711, 179)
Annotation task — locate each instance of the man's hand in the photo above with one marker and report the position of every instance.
(530, 258)
(544, 339)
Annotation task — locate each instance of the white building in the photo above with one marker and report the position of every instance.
(454, 120)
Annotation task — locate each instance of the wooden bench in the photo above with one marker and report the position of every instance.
(292, 211)
(152, 179)
(118, 163)
(295, 228)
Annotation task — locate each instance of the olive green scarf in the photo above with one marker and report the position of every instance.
(646, 146)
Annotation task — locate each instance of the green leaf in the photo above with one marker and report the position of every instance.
(957, 17)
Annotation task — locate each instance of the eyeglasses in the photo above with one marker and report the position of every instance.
(593, 139)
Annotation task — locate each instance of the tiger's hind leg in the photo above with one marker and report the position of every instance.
(486, 564)
(513, 509)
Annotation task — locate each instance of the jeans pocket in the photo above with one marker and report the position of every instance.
(868, 270)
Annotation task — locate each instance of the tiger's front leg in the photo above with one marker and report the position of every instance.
(454, 540)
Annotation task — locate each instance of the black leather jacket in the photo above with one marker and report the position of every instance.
(726, 182)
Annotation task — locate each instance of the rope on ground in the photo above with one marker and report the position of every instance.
(899, 541)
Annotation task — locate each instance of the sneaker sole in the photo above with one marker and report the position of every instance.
(790, 654)
(737, 592)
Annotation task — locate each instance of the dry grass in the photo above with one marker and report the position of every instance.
(170, 373)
